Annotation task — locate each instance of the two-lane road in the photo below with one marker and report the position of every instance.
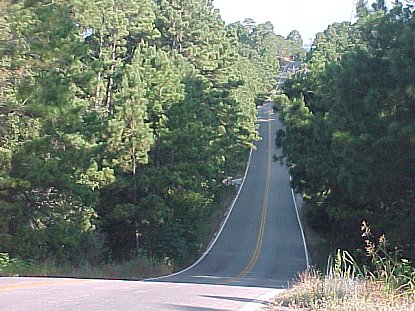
(261, 243)
(259, 250)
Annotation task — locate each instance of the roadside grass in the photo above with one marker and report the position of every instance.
(135, 269)
(317, 292)
(385, 282)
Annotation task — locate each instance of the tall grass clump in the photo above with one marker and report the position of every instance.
(383, 281)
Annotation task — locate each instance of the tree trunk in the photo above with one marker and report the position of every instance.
(110, 84)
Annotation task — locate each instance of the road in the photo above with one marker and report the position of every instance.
(261, 244)
(289, 68)
(259, 251)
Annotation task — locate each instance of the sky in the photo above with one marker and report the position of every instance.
(307, 16)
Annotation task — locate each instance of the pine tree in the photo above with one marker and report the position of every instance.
(348, 127)
(45, 196)
(112, 29)
(361, 9)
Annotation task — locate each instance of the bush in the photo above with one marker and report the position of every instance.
(15, 266)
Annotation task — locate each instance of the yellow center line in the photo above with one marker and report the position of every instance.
(261, 231)
(37, 284)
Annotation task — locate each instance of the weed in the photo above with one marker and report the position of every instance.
(386, 282)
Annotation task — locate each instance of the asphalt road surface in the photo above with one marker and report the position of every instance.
(259, 251)
(261, 244)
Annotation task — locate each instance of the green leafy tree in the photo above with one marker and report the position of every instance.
(295, 36)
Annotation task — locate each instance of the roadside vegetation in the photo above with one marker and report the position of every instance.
(118, 122)
(382, 281)
(349, 117)
(138, 268)
(349, 128)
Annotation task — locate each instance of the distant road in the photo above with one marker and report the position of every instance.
(258, 252)
(261, 244)
(289, 68)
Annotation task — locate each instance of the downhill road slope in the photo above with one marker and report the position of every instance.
(259, 250)
(261, 244)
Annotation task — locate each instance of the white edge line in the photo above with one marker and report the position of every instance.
(219, 232)
(307, 259)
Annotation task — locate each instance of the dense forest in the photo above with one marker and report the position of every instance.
(118, 121)
(350, 127)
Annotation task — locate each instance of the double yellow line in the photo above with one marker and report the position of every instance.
(260, 237)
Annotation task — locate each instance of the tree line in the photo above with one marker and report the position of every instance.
(349, 115)
(118, 121)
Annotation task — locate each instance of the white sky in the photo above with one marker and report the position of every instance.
(307, 16)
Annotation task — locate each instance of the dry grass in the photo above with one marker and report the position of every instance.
(385, 282)
(316, 292)
(136, 269)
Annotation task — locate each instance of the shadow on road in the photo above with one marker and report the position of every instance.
(228, 281)
(192, 308)
(263, 302)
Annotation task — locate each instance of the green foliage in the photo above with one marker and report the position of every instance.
(295, 36)
(11, 266)
(118, 120)
(348, 117)
(138, 268)
(386, 265)
(383, 263)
